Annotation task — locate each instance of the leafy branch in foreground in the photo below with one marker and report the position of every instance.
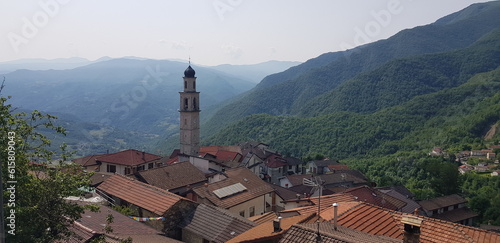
(34, 203)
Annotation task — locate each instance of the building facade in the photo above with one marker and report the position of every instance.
(189, 115)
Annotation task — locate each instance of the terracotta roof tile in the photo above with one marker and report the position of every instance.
(306, 233)
(375, 220)
(215, 224)
(275, 161)
(173, 176)
(91, 225)
(88, 160)
(323, 201)
(265, 231)
(129, 157)
(255, 187)
(151, 198)
(266, 217)
(122, 225)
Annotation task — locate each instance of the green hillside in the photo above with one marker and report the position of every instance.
(286, 93)
(452, 116)
(402, 79)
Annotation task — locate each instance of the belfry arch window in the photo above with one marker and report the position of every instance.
(194, 104)
(194, 84)
(185, 103)
(185, 84)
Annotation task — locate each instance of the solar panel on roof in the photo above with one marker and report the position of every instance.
(229, 190)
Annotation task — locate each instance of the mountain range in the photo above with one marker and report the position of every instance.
(369, 99)
(119, 103)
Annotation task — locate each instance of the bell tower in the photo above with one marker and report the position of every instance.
(189, 115)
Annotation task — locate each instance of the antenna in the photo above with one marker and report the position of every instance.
(317, 184)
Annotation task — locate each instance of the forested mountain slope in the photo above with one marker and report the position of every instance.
(464, 104)
(286, 93)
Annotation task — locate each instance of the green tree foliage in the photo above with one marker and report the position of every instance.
(310, 88)
(483, 193)
(35, 210)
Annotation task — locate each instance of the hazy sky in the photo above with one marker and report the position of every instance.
(210, 31)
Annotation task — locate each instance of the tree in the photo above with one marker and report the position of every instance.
(33, 197)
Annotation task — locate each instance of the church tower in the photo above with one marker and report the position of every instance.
(190, 115)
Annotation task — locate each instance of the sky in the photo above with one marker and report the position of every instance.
(210, 32)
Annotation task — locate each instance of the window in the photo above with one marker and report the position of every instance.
(150, 165)
(139, 168)
(111, 168)
(194, 85)
(127, 170)
(251, 211)
(185, 103)
(242, 213)
(194, 103)
(185, 84)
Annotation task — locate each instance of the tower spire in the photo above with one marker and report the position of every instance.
(189, 114)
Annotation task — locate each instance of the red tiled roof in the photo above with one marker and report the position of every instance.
(151, 198)
(255, 187)
(372, 220)
(88, 160)
(122, 225)
(441, 202)
(266, 217)
(275, 161)
(173, 176)
(323, 202)
(307, 233)
(130, 157)
(227, 155)
(265, 231)
(375, 220)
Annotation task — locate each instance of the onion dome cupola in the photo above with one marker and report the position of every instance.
(189, 72)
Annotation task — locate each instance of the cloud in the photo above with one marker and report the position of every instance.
(177, 45)
(232, 50)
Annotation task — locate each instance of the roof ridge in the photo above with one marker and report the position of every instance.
(163, 191)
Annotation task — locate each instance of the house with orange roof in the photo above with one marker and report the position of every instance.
(124, 162)
(241, 192)
(376, 220)
(328, 232)
(272, 231)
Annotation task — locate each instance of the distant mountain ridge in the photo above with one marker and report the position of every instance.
(375, 101)
(288, 92)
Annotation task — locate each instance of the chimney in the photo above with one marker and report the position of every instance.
(411, 228)
(335, 209)
(277, 224)
(143, 156)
